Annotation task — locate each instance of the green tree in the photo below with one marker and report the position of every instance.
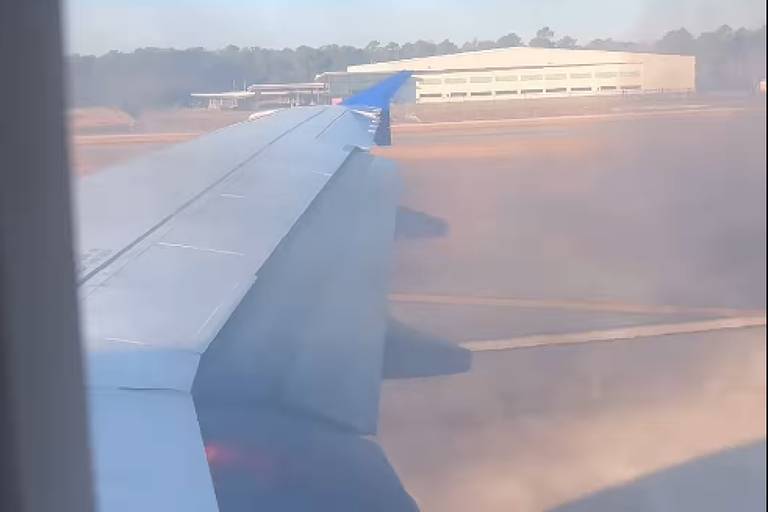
(392, 51)
(566, 42)
(476, 45)
(510, 40)
(372, 50)
(678, 41)
(726, 59)
(446, 47)
(543, 38)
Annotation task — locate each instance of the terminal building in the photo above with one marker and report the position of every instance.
(523, 72)
(259, 96)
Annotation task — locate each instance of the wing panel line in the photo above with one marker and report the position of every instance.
(171, 215)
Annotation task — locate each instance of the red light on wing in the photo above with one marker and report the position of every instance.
(219, 455)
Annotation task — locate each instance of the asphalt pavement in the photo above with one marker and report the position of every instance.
(519, 229)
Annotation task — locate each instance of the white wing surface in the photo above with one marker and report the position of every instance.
(246, 266)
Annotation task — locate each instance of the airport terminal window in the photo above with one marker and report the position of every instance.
(630, 87)
(458, 94)
(531, 77)
(480, 79)
(581, 89)
(430, 95)
(558, 89)
(581, 75)
(506, 78)
(505, 93)
(531, 91)
(607, 87)
(630, 74)
(606, 74)
(430, 81)
(557, 76)
(455, 80)
(481, 93)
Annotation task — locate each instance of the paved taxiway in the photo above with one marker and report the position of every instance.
(543, 229)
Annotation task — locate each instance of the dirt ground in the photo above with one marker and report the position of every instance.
(105, 120)
(102, 136)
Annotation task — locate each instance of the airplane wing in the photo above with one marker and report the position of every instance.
(245, 267)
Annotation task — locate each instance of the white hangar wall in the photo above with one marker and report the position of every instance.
(522, 72)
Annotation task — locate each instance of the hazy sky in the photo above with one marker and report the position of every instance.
(97, 26)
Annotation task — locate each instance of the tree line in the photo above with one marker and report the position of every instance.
(727, 59)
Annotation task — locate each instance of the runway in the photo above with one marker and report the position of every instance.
(608, 275)
(577, 314)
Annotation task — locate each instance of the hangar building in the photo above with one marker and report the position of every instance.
(523, 72)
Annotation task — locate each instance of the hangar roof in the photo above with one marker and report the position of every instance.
(511, 57)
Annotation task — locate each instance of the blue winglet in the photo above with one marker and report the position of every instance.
(379, 96)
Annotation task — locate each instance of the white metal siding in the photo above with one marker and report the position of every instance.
(514, 73)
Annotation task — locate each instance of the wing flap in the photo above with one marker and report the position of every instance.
(181, 281)
(148, 454)
(238, 266)
(309, 334)
(120, 205)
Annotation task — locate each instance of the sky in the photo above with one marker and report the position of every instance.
(98, 26)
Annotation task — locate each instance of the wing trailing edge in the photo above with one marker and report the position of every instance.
(378, 98)
(253, 277)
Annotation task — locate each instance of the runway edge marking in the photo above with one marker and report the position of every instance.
(608, 335)
(569, 304)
